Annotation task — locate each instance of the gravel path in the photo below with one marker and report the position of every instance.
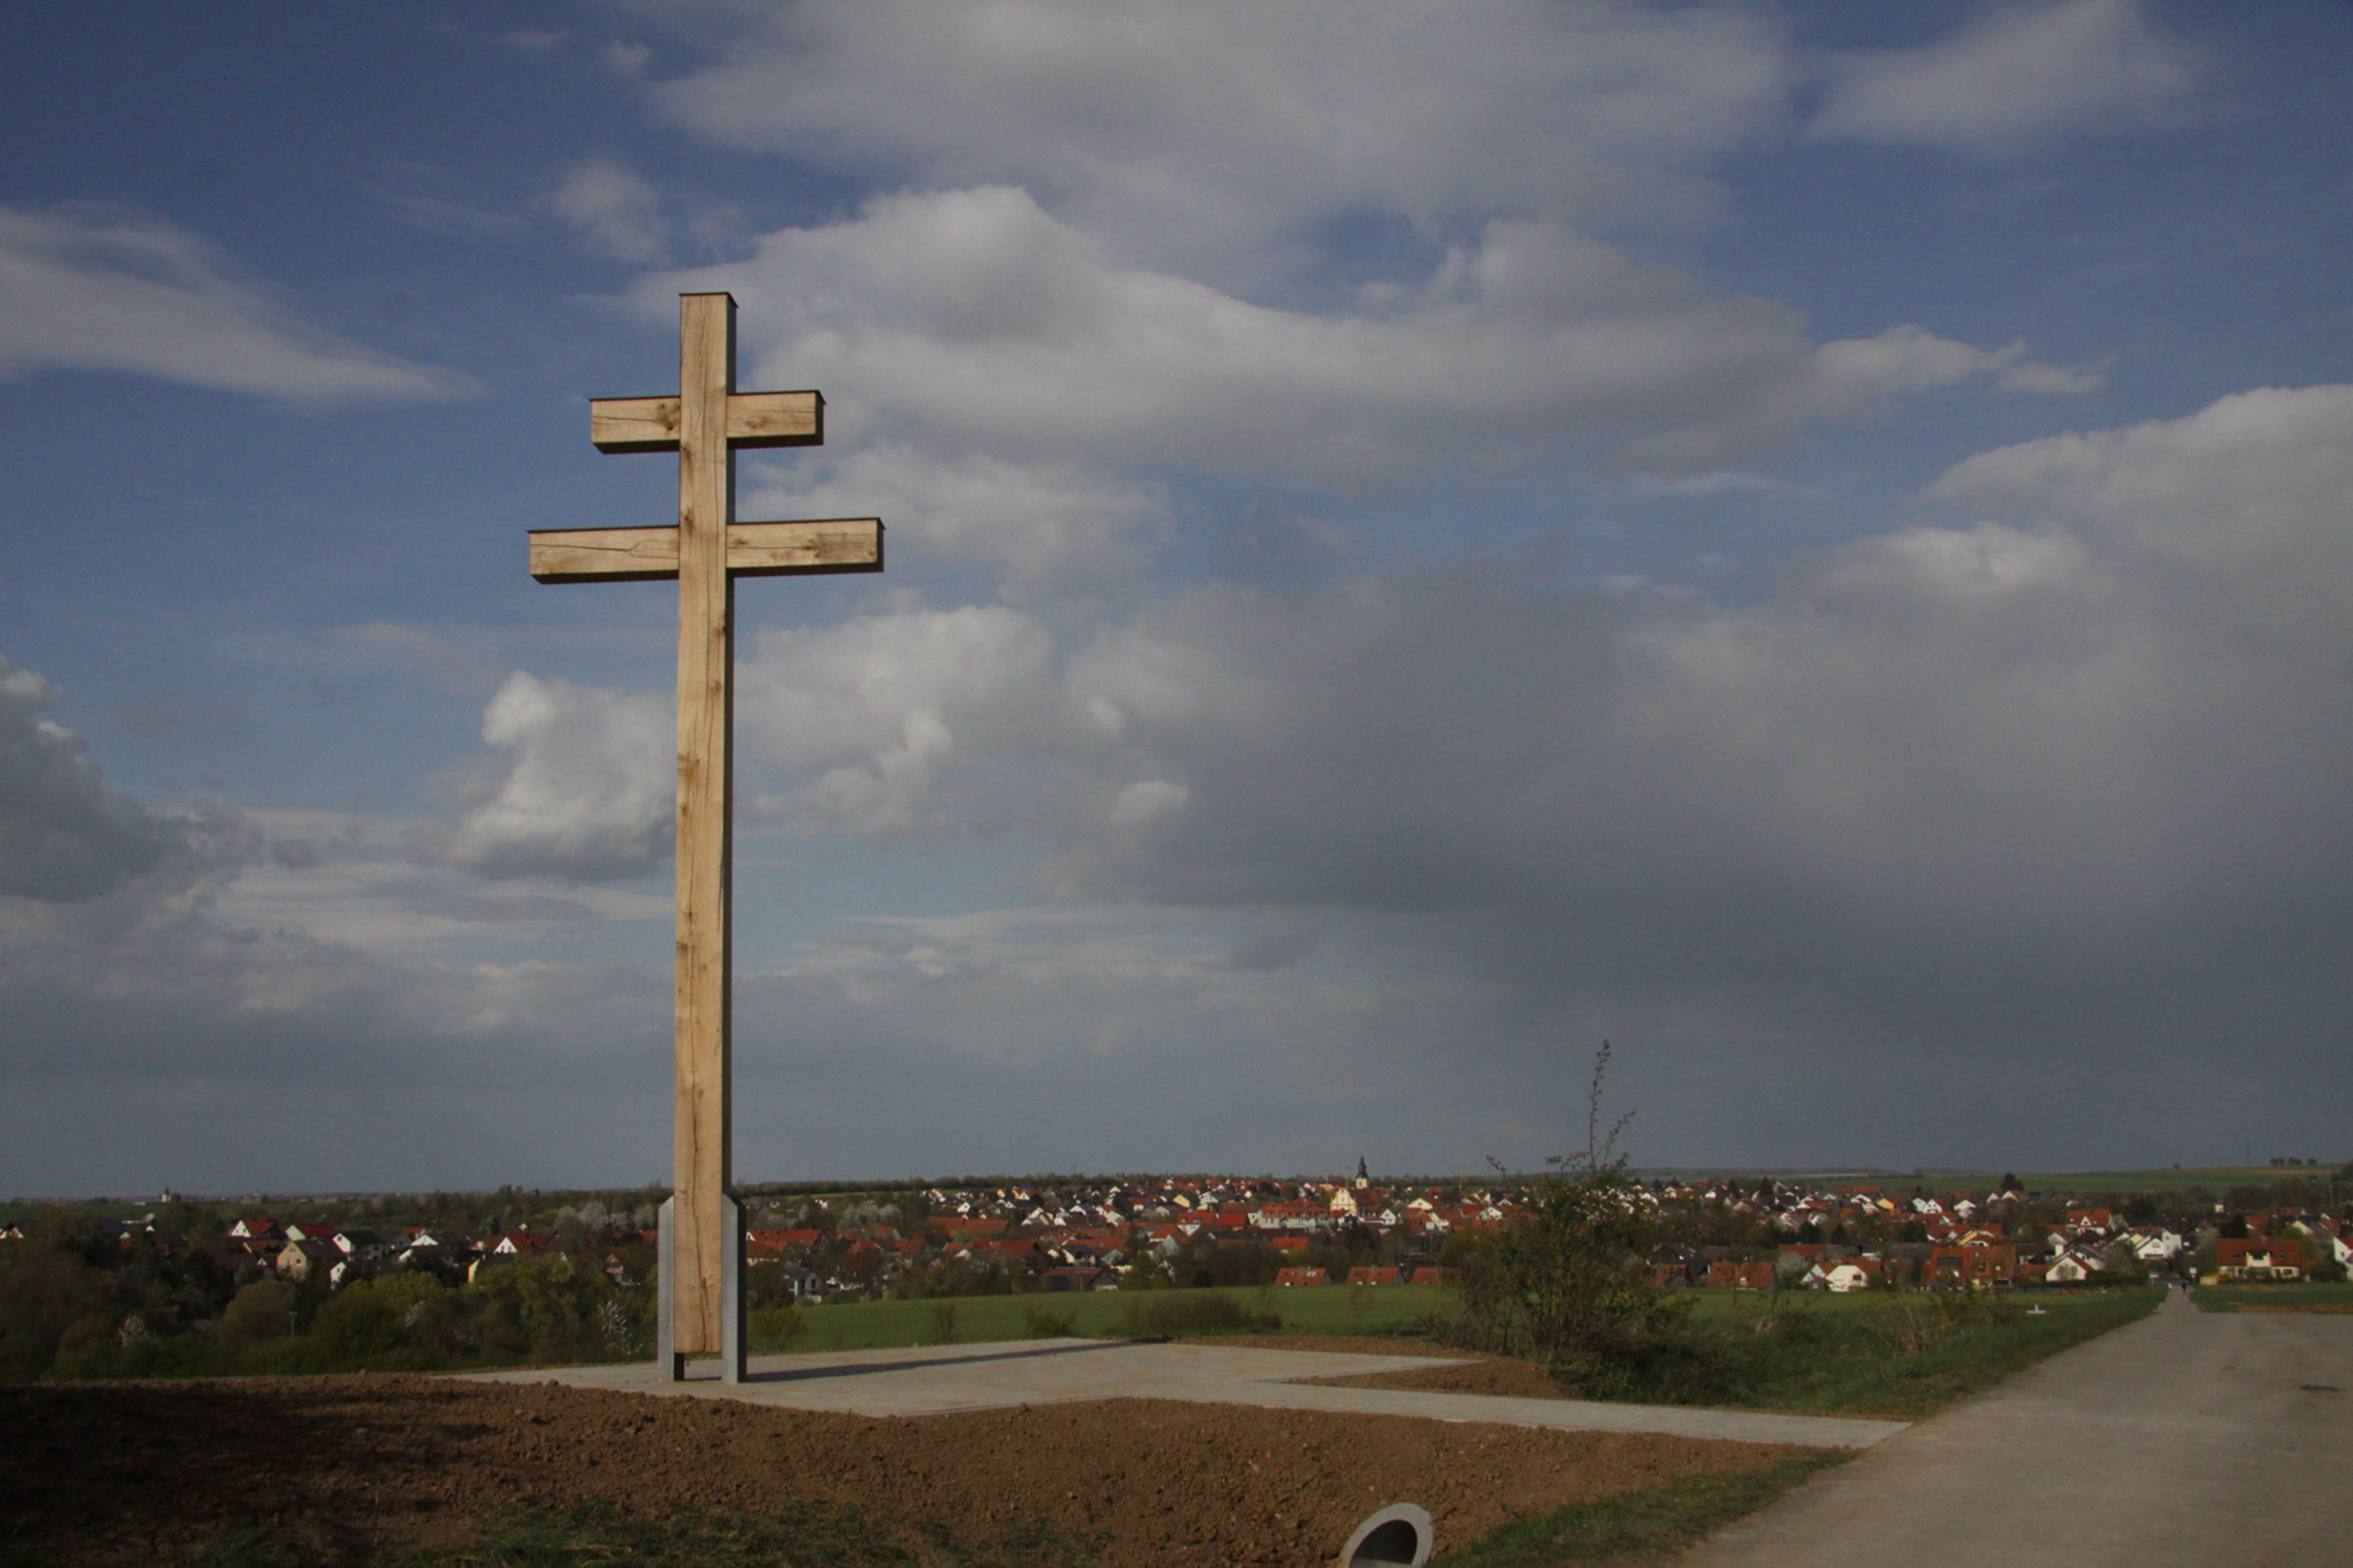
(2186, 1439)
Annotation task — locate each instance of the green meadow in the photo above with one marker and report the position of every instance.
(1314, 1309)
(2161, 1185)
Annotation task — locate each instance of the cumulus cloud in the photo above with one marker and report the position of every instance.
(585, 788)
(613, 210)
(91, 287)
(901, 724)
(1211, 139)
(1038, 525)
(153, 1010)
(2064, 724)
(2019, 72)
(975, 320)
(2089, 737)
(64, 835)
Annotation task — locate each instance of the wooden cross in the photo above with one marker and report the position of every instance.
(706, 424)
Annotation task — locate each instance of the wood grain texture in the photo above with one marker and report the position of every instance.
(634, 424)
(705, 762)
(794, 549)
(604, 554)
(776, 420)
(805, 549)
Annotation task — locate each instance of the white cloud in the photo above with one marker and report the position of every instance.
(585, 790)
(91, 287)
(613, 210)
(2020, 71)
(1042, 525)
(877, 717)
(975, 320)
(1147, 798)
(1211, 139)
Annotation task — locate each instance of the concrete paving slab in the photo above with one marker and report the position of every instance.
(2187, 1439)
(934, 1380)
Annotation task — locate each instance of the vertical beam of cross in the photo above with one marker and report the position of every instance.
(702, 1130)
(705, 425)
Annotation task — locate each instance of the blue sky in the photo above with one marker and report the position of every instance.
(1809, 540)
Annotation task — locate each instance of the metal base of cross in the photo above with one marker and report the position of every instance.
(669, 1363)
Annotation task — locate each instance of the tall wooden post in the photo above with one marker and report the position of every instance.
(701, 1235)
(702, 1126)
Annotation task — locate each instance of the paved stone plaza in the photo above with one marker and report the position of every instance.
(934, 1380)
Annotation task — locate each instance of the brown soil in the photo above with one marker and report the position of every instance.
(142, 1473)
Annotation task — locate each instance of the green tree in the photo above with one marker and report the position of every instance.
(261, 1310)
(394, 1322)
(45, 1290)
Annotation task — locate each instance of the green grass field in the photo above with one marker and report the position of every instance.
(1318, 1309)
(1872, 1354)
(2230, 1297)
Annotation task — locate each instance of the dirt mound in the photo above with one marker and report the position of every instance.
(144, 1472)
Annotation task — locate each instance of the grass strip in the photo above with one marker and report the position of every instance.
(2299, 1297)
(1865, 1365)
(1657, 1522)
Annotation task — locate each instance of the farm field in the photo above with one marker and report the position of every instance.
(2161, 1185)
(404, 1472)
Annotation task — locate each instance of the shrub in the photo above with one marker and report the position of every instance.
(771, 1329)
(1567, 1281)
(261, 1310)
(1047, 1324)
(44, 1293)
(1165, 1314)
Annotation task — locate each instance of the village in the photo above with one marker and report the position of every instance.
(1179, 1231)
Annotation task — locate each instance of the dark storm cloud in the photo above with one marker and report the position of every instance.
(63, 835)
(2045, 795)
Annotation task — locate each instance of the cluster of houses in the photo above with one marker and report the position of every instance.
(1963, 1241)
(1082, 1237)
(1776, 1236)
(308, 1249)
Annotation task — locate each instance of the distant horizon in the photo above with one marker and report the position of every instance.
(822, 1185)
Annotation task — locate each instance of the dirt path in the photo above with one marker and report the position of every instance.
(2184, 1439)
(141, 1473)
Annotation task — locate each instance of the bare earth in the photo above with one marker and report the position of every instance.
(142, 1472)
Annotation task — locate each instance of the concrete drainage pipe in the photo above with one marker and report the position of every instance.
(1396, 1537)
